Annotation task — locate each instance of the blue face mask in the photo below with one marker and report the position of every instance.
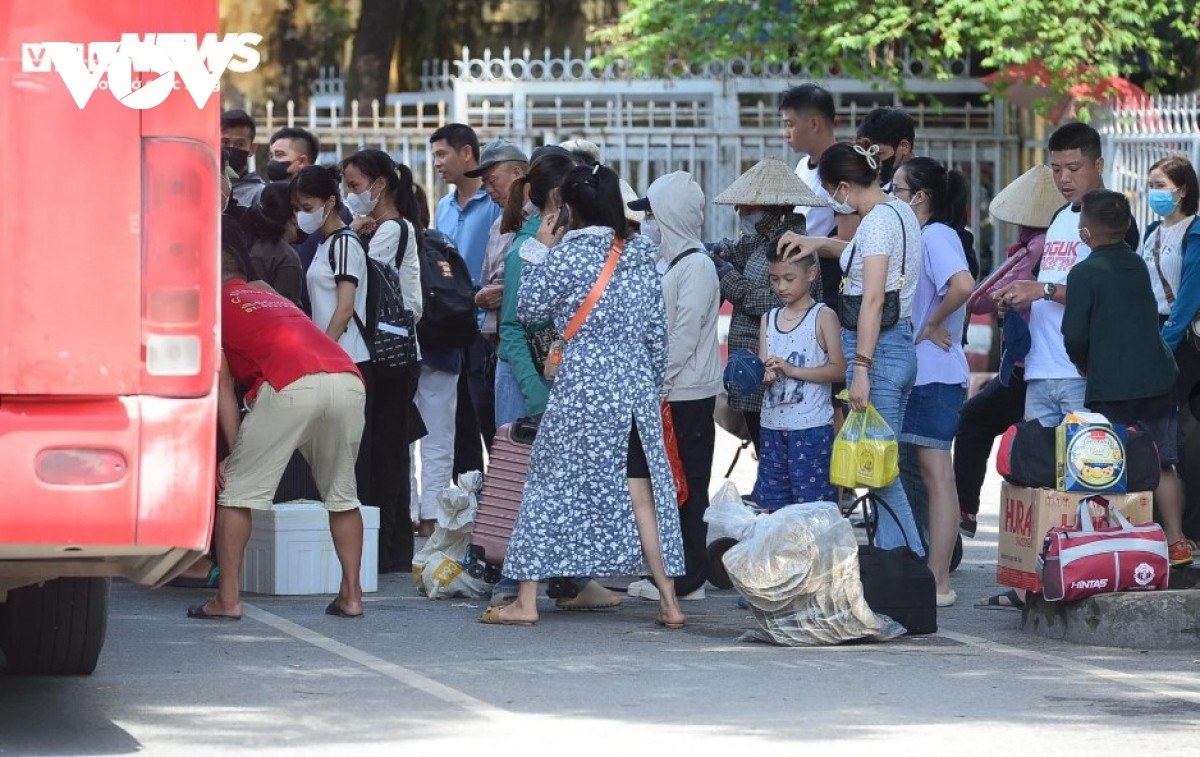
(1163, 202)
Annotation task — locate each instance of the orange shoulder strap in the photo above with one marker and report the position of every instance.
(598, 288)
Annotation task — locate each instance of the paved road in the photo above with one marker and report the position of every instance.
(422, 674)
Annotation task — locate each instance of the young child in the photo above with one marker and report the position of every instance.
(1111, 333)
(802, 347)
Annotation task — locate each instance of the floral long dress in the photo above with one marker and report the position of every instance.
(576, 516)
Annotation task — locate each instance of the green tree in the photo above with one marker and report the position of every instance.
(1074, 41)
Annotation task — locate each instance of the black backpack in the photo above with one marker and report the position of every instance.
(449, 318)
(389, 331)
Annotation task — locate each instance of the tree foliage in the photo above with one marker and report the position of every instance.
(1077, 41)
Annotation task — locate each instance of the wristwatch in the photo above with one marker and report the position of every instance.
(1049, 291)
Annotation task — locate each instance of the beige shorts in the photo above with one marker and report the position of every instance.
(322, 416)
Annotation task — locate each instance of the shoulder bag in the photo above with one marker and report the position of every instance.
(554, 357)
(896, 582)
(851, 304)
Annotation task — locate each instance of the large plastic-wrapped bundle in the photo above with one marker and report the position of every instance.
(798, 568)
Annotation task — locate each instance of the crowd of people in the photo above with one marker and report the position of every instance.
(598, 315)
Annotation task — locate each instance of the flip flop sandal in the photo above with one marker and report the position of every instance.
(198, 612)
(336, 611)
(208, 582)
(996, 601)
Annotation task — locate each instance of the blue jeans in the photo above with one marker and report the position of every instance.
(510, 403)
(1048, 400)
(892, 377)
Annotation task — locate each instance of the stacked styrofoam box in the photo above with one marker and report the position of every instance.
(291, 551)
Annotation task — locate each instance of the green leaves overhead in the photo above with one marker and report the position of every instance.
(1077, 42)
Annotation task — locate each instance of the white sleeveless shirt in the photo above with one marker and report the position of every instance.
(790, 404)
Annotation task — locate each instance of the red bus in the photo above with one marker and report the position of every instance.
(109, 351)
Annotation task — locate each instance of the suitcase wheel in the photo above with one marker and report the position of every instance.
(491, 574)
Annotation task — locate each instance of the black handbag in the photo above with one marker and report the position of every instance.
(850, 304)
(540, 341)
(896, 582)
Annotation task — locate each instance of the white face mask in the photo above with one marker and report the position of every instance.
(311, 222)
(750, 222)
(651, 231)
(843, 208)
(363, 203)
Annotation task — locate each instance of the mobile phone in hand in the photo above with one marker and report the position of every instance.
(564, 219)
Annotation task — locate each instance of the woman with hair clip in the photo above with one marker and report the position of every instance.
(380, 194)
(599, 497)
(881, 263)
(944, 283)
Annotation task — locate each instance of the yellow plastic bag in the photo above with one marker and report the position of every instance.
(866, 452)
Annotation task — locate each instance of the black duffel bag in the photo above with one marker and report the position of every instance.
(896, 582)
(1028, 455)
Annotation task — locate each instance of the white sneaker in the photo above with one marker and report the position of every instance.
(647, 590)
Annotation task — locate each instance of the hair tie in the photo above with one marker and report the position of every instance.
(595, 168)
(869, 153)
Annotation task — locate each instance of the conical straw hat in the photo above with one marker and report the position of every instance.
(1030, 200)
(769, 182)
(628, 195)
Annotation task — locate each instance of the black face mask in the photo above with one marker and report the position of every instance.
(887, 169)
(237, 159)
(277, 170)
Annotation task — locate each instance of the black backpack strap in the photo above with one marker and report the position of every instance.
(347, 231)
(683, 255)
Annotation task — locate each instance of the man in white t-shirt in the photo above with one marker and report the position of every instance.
(807, 113)
(1055, 387)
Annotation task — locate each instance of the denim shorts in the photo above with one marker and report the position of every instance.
(931, 418)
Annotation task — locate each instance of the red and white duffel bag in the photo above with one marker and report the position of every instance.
(1083, 561)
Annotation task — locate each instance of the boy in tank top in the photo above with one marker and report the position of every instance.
(801, 345)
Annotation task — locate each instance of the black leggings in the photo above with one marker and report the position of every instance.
(984, 417)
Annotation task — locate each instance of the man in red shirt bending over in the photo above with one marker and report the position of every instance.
(305, 394)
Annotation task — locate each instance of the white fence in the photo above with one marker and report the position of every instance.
(1137, 136)
(715, 121)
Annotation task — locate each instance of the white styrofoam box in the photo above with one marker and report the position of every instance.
(291, 552)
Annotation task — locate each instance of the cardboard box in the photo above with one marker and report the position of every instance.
(1027, 514)
(1090, 455)
(291, 551)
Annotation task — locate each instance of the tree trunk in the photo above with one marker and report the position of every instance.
(374, 43)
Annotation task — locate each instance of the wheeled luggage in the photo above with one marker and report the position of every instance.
(500, 498)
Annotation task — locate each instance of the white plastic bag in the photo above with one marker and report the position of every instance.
(728, 516)
(437, 567)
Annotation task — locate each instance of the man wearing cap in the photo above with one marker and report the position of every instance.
(500, 165)
(237, 143)
(674, 208)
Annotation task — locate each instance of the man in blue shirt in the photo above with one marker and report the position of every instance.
(466, 213)
(449, 407)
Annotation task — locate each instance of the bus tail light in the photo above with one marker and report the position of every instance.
(180, 225)
(80, 467)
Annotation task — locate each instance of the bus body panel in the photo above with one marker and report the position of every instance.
(97, 238)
